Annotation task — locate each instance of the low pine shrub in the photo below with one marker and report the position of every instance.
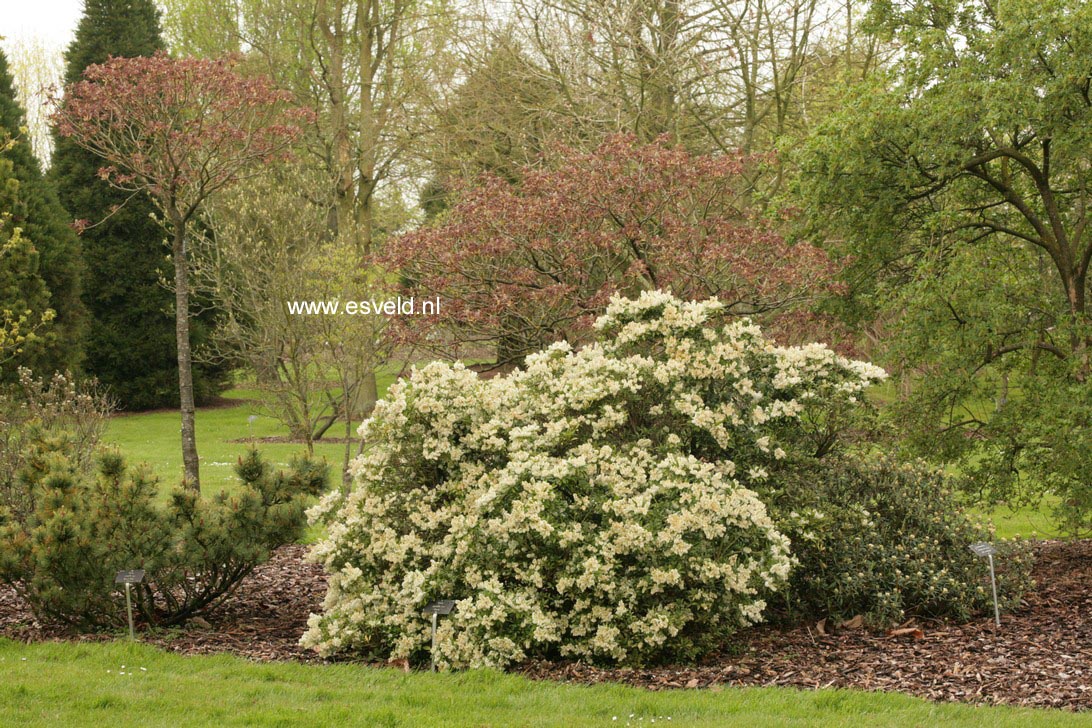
(37, 409)
(83, 528)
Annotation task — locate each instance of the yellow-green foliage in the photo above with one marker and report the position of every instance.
(24, 297)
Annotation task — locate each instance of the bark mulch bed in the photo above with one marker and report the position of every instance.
(263, 620)
(1042, 656)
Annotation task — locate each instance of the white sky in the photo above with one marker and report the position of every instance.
(50, 21)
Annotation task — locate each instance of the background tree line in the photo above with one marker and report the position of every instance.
(934, 154)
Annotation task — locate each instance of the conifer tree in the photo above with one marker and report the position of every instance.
(32, 206)
(24, 299)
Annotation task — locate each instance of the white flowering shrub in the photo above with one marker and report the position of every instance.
(593, 505)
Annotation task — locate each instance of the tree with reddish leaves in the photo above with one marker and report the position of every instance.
(519, 265)
(179, 130)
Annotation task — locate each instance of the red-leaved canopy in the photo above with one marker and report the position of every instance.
(519, 265)
(179, 129)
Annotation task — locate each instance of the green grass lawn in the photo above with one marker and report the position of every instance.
(1025, 521)
(154, 438)
(58, 684)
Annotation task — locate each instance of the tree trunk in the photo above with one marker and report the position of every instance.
(190, 461)
(345, 477)
(1002, 393)
(1074, 289)
(369, 395)
(265, 368)
(347, 413)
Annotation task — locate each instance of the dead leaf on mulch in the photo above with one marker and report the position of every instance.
(855, 623)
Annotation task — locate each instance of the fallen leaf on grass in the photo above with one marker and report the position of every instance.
(402, 663)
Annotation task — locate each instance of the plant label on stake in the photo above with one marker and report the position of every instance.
(444, 606)
(128, 578)
(987, 550)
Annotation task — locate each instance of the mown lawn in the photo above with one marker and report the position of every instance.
(154, 438)
(58, 684)
(1026, 521)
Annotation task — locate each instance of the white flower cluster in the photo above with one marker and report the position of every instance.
(592, 505)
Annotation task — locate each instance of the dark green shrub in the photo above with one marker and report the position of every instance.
(885, 540)
(63, 557)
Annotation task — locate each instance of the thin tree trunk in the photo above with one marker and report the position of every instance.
(1002, 393)
(348, 413)
(369, 395)
(345, 477)
(1077, 306)
(190, 461)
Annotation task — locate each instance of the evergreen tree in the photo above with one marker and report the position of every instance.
(131, 342)
(24, 298)
(34, 208)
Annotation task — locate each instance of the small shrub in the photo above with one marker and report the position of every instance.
(885, 540)
(84, 528)
(36, 409)
(597, 504)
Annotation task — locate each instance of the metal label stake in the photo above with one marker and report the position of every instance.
(985, 549)
(128, 578)
(432, 650)
(444, 606)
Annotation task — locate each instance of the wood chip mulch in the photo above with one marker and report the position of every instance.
(1042, 655)
(262, 621)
